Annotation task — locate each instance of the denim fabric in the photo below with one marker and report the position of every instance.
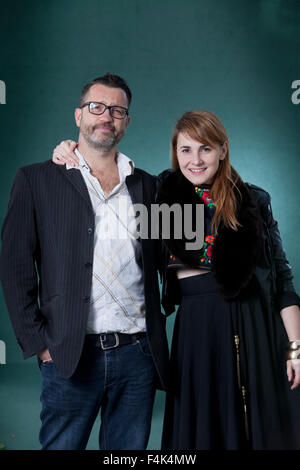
(118, 381)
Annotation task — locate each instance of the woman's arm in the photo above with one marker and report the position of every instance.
(64, 153)
(286, 293)
(287, 298)
(291, 320)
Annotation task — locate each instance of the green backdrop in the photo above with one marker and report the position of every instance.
(237, 59)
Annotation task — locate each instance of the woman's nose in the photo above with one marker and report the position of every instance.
(197, 158)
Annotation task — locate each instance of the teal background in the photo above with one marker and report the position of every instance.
(237, 59)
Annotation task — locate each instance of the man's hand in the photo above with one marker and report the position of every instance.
(64, 153)
(44, 355)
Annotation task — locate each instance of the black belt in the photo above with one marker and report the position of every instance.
(113, 340)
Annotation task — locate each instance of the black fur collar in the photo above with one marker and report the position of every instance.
(235, 253)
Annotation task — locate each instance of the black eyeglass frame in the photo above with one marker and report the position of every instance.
(88, 103)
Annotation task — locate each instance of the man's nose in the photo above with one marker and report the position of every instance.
(106, 116)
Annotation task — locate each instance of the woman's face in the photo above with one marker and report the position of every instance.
(198, 162)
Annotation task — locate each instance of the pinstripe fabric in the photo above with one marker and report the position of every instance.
(46, 258)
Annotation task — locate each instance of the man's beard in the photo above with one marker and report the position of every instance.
(103, 143)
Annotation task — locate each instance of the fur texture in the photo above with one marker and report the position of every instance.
(235, 253)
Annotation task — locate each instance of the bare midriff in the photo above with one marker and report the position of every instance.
(184, 272)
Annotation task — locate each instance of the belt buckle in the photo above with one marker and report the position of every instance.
(110, 347)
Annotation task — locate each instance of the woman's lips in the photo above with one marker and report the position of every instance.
(197, 171)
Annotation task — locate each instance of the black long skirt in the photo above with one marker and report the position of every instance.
(228, 387)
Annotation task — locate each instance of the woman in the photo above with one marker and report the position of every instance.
(228, 388)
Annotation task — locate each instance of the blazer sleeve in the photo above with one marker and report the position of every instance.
(163, 255)
(18, 258)
(286, 294)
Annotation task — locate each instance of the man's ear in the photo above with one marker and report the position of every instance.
(78, 112)
(128, 121)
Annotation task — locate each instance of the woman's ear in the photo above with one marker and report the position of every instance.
(224, 150)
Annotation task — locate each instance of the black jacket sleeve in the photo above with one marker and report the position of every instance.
(168, 301)
(19, 254)
(286, 294)
(163, 251)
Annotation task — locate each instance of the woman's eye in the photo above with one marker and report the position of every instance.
(185, 150)
(206, 149)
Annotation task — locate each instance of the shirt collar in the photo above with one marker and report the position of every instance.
(125, 164)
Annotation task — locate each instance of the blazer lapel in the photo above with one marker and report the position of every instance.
(135, 187)
(76, 179)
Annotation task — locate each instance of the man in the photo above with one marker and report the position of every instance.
(87, 303)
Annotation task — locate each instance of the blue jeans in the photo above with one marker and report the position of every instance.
(118, 381)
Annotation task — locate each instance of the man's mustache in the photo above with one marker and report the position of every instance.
(106, 126)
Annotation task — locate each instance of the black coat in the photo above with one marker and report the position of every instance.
(46, 264)
(241, 261)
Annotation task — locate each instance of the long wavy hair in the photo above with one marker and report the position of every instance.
(205, 127)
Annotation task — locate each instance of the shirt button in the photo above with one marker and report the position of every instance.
(88, 265)
(90, 230)
(86, 299)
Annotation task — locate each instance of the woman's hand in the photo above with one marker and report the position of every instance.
(293, 372)
(64, 153)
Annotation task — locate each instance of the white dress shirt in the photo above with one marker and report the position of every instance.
(117, 299)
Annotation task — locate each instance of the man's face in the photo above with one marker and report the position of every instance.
(102, 131)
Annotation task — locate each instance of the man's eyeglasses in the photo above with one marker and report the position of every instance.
(117, 112)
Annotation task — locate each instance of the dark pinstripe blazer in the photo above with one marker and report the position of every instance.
(46, 264)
